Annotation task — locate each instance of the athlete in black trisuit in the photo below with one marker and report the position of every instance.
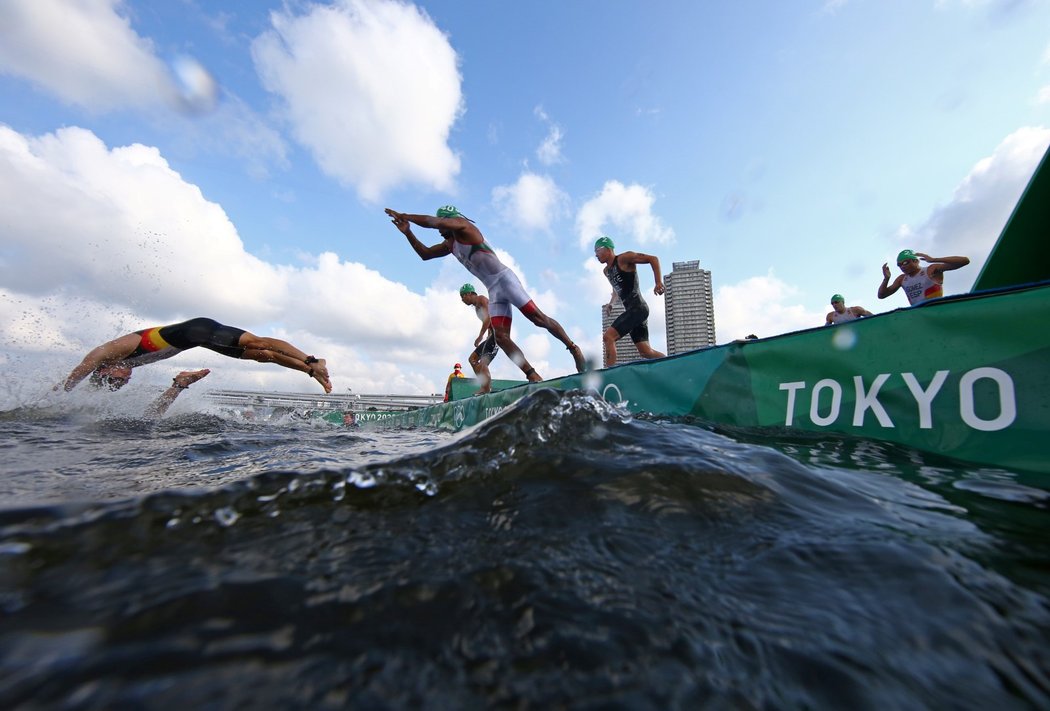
(623, 277)
(111, 363)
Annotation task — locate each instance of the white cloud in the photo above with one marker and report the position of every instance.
(627, 211)
(762, 305)
(372, 89)
(533, 202)
(1043, 95)
(84, 52)
(971, 222)
(830, 7)
(549, 151)
(100, 241)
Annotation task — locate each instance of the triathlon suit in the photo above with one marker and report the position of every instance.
(488, 349)
(921, 287)
(166, 341)
(634, 319)
(505, 290)
(843, 317)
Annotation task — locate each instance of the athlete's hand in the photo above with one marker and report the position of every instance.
(923, 257)
(188, 377)
(886, 270)
(400, 221)
(659, 288)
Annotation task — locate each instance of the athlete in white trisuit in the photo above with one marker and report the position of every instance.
(485, 348)
(841, 313)
(920, 283)
(463, 240)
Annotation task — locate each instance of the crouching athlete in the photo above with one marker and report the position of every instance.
(110, 364)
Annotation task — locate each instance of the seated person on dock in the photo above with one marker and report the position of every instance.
(110, 365)
(841, 313)
(920, 283)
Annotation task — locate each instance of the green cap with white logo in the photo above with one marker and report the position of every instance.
(448, 211)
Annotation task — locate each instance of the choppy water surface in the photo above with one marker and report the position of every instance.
(563, 554)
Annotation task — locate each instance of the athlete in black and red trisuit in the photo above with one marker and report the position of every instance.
(110, 364)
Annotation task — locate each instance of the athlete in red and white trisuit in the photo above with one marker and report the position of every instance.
(110, 364)
(920, 283)
(466, 243)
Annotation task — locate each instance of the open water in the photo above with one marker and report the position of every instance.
(562, 555)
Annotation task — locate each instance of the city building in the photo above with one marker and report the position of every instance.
(689, 307)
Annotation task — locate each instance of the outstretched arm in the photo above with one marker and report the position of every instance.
(179, 383)
(401, 221)
(106, 354)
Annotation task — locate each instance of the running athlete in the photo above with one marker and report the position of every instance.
(485, 348)
(111, 363)
(623, 276)
(841, 313)
(920, 283)
(463, 240)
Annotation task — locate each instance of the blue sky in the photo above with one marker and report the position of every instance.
(162, 161)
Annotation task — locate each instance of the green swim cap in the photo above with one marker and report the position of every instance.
(837, 297)
(603, 241)
(467, 289)
(448, 211)
(905, 254)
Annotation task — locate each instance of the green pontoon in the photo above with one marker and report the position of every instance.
(966, 376)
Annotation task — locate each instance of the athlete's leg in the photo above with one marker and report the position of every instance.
(647, 351)
(532, 312)
(481, 369)
(511, 291)
(274, 350)
(501, 327)
(609, 338)
(640, 336)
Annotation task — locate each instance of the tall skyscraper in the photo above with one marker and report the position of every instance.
(690, 308)
(625, 348)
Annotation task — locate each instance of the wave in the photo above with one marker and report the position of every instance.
(561, 553)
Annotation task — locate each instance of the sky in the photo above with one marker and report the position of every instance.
(163, 161)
